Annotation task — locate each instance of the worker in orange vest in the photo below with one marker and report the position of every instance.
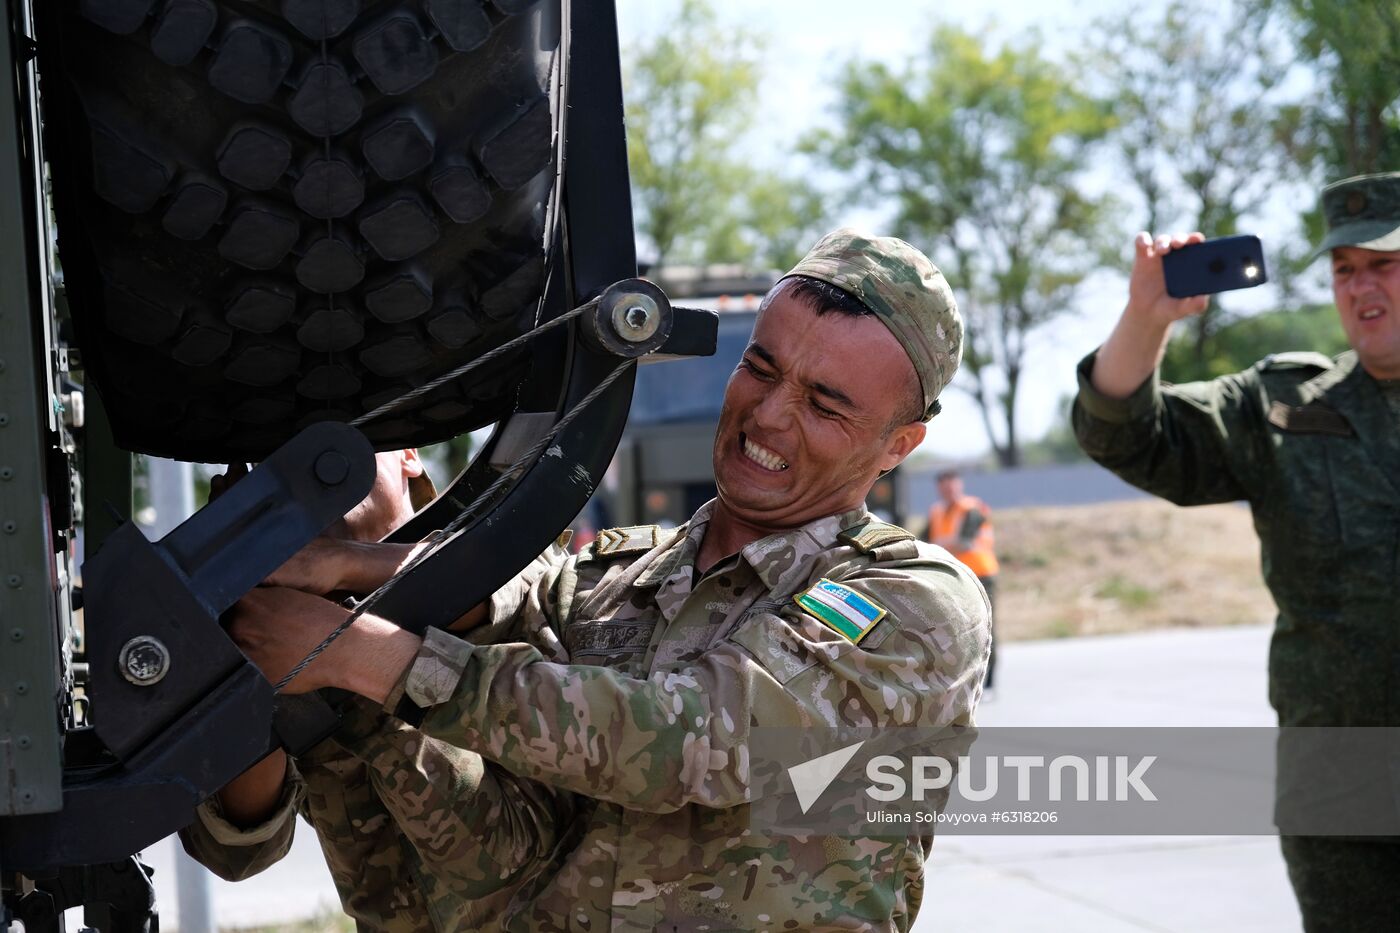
(962, 524)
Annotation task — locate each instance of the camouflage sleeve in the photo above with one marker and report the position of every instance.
(1191, 444)
(472, 822)
(681, 736)
(235, 853)
(522, 608)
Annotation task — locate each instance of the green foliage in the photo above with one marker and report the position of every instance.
(980, 151)
(690, 95)
(447, 459)
(1202, 125)
(1243, 342)
(1355, 45)
(1058, 444)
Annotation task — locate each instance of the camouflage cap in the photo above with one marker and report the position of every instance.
(1363, 211)
(904, 290)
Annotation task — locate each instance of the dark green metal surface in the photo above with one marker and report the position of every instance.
(33, 597)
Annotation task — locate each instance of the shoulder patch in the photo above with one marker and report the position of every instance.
(1301, 359)
(874, 534)
(1309, 419)
(630, 540)
(841, 609)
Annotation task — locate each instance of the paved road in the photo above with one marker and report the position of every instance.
(1119, 884)
(1015, 884)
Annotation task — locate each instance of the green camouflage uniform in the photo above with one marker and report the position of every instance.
(419, 835)
(650, 720)
(1314, 446)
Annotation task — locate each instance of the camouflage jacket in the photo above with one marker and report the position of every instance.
(1313, 446)
(418, 835)
(650, 720)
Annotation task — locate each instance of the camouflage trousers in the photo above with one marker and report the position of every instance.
(1345, 885)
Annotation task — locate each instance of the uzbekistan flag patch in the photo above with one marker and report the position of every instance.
(841, 609)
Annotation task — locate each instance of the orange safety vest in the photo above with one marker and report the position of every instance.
(946, 522)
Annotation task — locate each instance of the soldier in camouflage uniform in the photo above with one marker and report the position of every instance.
(783, 603)
(419, 835)
(1313, 444)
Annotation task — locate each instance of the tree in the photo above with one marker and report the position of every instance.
(1356, 45)
(690, 95)
(980, 152)
(1238, 344)
(1201, 124)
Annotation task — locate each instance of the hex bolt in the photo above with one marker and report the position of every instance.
(144, 660)
(332, 468)
(636, 318)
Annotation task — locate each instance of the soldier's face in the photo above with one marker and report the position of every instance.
(387, 506)
(1366, 287)
(804, 431)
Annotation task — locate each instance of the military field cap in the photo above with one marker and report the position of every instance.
(904, 290)
(1362, 211)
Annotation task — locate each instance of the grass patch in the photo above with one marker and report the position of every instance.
(328, 920)
(1126, 593)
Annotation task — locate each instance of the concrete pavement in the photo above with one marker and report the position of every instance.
(1016, 884)
(1118, 884)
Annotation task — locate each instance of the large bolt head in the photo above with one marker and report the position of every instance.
(332, 468)
(144, 660)
(636, 318)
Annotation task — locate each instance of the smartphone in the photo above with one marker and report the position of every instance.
(1220, 265)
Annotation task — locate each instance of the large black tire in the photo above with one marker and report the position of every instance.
(273, 212)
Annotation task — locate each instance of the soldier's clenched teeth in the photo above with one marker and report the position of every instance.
(762, 455)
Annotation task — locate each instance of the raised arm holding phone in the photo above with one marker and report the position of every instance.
(1313, 445)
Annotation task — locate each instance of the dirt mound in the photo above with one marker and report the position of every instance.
(1127, 567)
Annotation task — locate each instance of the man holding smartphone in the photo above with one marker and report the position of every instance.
(1313, 444)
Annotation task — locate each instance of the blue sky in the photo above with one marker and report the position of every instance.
(808, 40)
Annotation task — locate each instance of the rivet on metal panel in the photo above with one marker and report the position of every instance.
(9, 527)
(4, 419)
(14, 581)
(16, 634)
(27, 796)
(7, 473)
(21, 687)
(23, 742)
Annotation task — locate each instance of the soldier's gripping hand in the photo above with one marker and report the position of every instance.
(1135, 348)
(277, 627)
(1148, 300)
